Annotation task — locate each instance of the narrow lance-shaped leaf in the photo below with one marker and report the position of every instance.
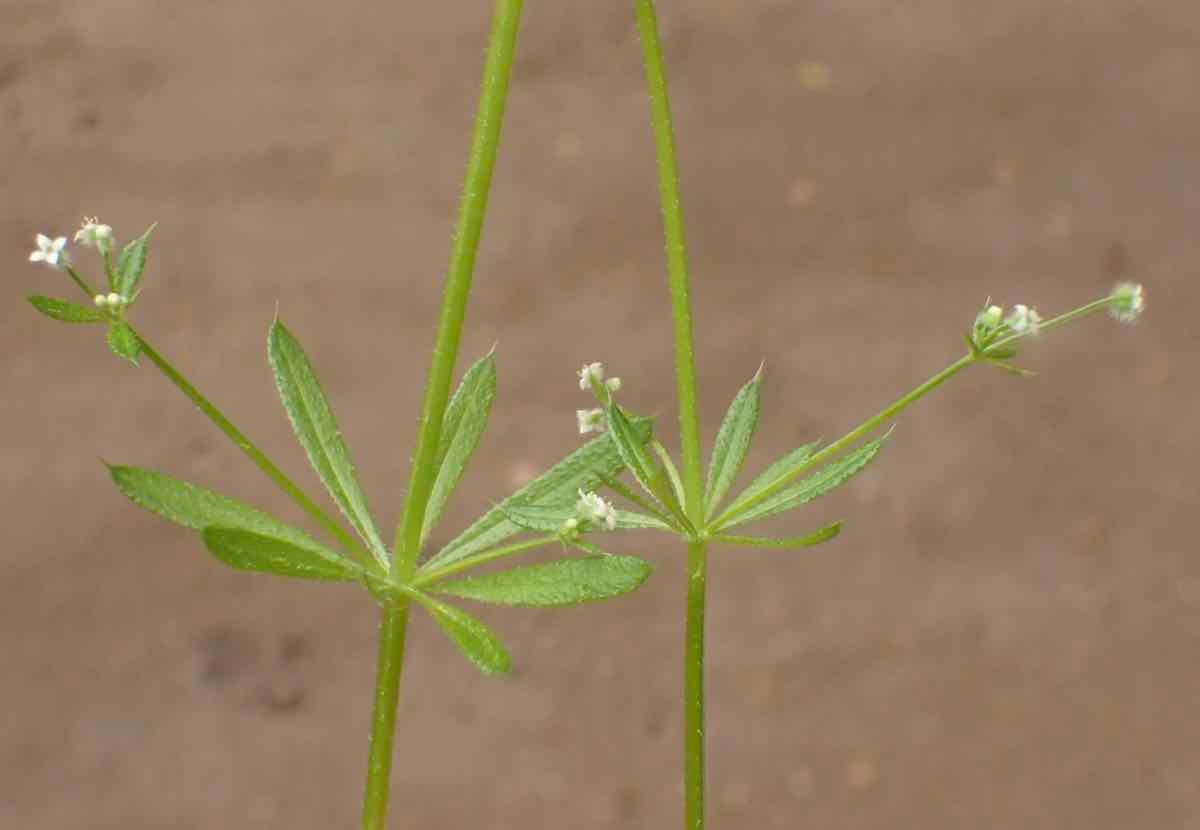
(829, 477)
(551, 519)
(733, 440)
(583, 469)
(64, 311)
(318, 432)
(782, 543)
(463, 425)
(249, 551)
(123, 342)
(633, 452)
(474, 639)
(778, 471)
(554, 584)
(673, 477)
(131, 263)
(197, 508)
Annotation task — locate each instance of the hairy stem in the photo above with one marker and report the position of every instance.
(677, 268)
(248, 447)
(428, 577)
(472, 208)
(850, 438)
(83, 284)
(693, 689)
(689, 421)
(392, 631)
(485, 142)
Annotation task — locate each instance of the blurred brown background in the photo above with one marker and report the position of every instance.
(1006, 635)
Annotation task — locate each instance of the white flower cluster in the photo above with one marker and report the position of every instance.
(1022, 319)
(591, 376)
(589, 420)
(92, 234)
(596, 510)
(1128, 301)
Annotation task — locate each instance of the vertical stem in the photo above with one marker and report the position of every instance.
(677, 268)
(693, 690)
(476, 185)
(689, 421)
(383, 719)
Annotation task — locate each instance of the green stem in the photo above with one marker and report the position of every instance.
(476, 186)
(849, 439)
(1102, 304)
(426, 577)
(677, 268)
(254, 453)
(81, 282)
(693, 690)
(689, 421)
(392, 632)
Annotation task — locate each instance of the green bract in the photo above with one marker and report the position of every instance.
(123, 341)
(130, 264)
(63, 311)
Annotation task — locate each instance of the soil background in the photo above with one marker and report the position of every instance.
(1007, 632)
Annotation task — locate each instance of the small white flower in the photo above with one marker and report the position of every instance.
(990, 317)
(114, 299)
(594, 508)
(613, 384)
(100, 300)
(92, 234)
(589, 374)
(1024, 319)
(589, 420)
(1128, 302)
(52, 252)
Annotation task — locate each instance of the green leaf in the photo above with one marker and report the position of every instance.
(778, 471)
(539, 518)
(474, 639)
(318, 431)
(63, 311)
(131, 263)
(671, 470)
(829, 477)
(554, 584)
(196, 508)
(629, 520)
(787, 542)
(550, 519)
(249, 551)
(733, 440)
(583, 469)
(123, 342)
(462, 427)
(644, 468)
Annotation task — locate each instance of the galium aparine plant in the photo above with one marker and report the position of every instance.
(561, 510)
